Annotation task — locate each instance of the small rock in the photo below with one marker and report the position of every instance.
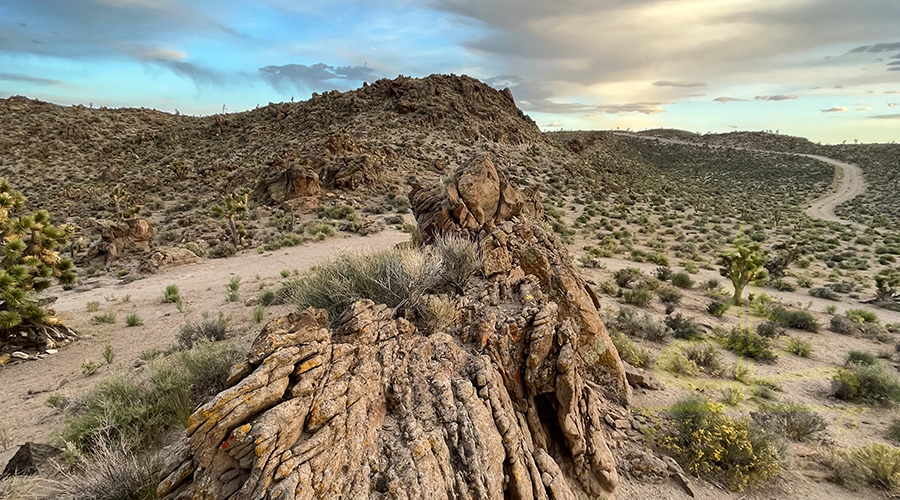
(20, 355)
(622, 424)
(4, 358)
(641, 378)
(251, 302)
(28, 459)
(51, 351)
(682, 481)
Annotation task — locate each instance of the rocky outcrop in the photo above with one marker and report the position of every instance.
(509, 401)
(164, 258)
(481, 196)
(129, 236)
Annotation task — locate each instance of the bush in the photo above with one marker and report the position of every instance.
(705, 441)
(860, 358)
(233, 289)
(683, 328)
(638, 297)
(206, 330)
(682, 364)
(634, 324)
(862, 316)
(894, 431)
(770, 329)
(267, 298)
(843, 326)
(625, 277)
(870, 384)
(783, 286)
(107, 317)
(799, 347)
(111, 473)
(717, 307)
(398, 278)
(801, 320)
(663, 273)
(707, 357)
(795, 422)
(171, 295)
(630, 353)
(746, 342)
(133, 320)
(876, 464)
(824, 293)
(682, 280)
(669, 295)
(136, 412)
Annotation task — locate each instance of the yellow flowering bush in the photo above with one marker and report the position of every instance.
(707, 442)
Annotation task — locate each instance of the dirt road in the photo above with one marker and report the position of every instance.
(850, 184)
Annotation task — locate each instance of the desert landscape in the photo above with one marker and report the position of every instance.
(422, 295)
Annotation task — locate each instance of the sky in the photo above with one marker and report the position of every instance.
(824, 69)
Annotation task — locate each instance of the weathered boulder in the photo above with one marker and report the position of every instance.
(508, 402)
(163, 258)
(30, 459)
(129, 236)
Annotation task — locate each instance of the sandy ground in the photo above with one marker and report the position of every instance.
(26, 386)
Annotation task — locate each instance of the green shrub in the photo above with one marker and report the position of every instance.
(93, 306)
(799, 347)
(625, 277)
(345, 212)
(717, 307)
(770, 329)
(208, 329)
(824, 293)
(232, 289)
(894, 431)
(861, 316)
(108, 353)
(171, 294)
(707, 442)
(795, 422)
(609, 288)
(267, 298)
(732, 396)
(630, 353)
(870, 384)
(658, 258)
(669, 295)
(258, 314)
(682, 280)
(110, 473)
(783, 286)
(680, 363)
(707, 357)
(133, 320)
(638, 297)
(320, 230)
(107, 317)
(801, 320)
(742, 372)
(746, 342)
(860, 358)
(683, 328)
(634, 324)
(843, 326)
(663, 273)
(876, 464)
(136, 412)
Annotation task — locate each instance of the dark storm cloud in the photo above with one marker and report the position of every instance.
(13, 77)
(317, 76)
(779, 97)
(667, 83)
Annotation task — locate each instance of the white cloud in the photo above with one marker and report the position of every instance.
(836, 109)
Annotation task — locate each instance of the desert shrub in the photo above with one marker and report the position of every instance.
(439, 314)
(133, 320)
(171, 294)
(707, 442)
(207, 329)
(669, 295)
(625, 277)
(843, 326)
(783, 286)
(222, 250)
(869, 384)
(861, 316)
(742, 371)
(134, 412)
(630, 353)
(232, 289)
(111, 473)
(683, 328)
(717, 307)
(638, 297)
(340, 212)
(663, 273)
(798, 347)
(258, 314)
(824, 293)
(93, 306)
(682, 280)
(876, 464)
(267, 298)
(609, 288)
(459, 261)
(634, 324)
(107, 317)
(769, 329)
(680, 363)
(658, 258)
(711, 285)
(894, 431)
(707, 357)
(320, 230)
(801, 320)
(746, 342)
(860, 358)
(732, 396)
(795, 422)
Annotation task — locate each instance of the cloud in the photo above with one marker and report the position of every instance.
(864, 108)
(201, 76)
(877, 48)
(778, 97)
(534, 96)
(14, 77)
(667, 83)
(554, 125)
(727, 99)
(887, 117)
(836, 109)
(892, 104)
(317, 76)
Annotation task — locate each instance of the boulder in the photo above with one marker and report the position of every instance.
(30, 459)
(506, 402)
(117, 238)
(164, 258)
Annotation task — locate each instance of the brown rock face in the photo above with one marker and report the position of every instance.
(118, 238)
(509, 402)
(168, 257)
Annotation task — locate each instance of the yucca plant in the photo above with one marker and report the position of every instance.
(29, 263)
(232, 206)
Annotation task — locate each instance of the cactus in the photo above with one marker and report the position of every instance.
(742, 264)
(118, 195)
(29, 263)
(232, 206)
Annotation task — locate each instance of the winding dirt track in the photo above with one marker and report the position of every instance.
(850, 179)
(851, 185)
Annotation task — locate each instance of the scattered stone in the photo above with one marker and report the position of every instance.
(29, 459)
(638, 377)
(4, 358)
(685, 484)
(164, 258)
(20, 355)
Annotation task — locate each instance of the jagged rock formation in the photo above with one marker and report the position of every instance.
(163, 258)
(130, 236)
(509, 402)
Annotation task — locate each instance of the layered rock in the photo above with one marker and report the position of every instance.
(508, 402)
(129, 236)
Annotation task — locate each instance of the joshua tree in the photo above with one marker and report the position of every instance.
(887, 283)
(741, 265)
(28, 264)
(234, 205)
(788, 252)
(118, 195)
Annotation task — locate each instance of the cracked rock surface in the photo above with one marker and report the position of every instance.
(508, 402)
